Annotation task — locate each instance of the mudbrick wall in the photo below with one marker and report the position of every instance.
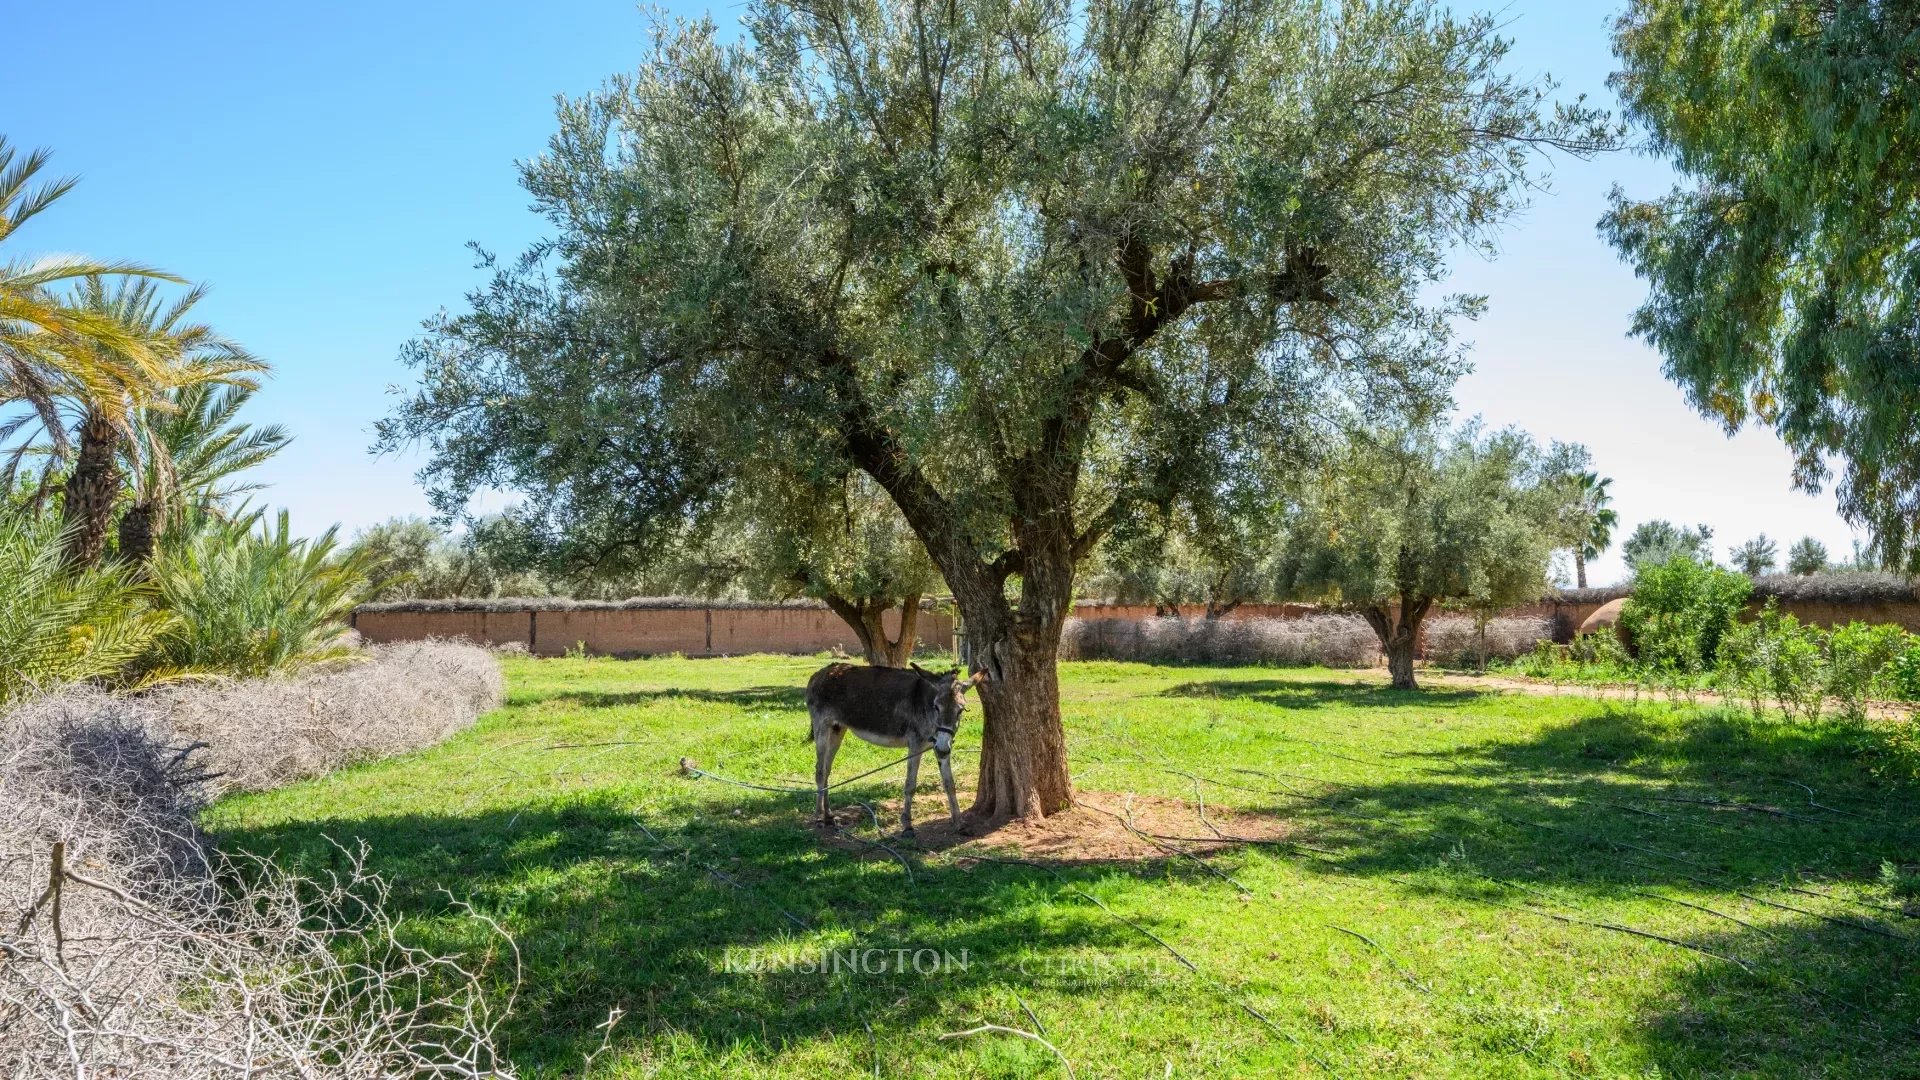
(642, 629)
(638, 630)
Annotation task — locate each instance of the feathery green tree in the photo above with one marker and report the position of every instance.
(1806, 556)
(1785, 269)
(1754, 557)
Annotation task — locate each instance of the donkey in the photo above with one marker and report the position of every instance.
(887, 707)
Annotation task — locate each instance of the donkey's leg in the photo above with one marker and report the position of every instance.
(946, 780)
(914, 750)
(825, 745)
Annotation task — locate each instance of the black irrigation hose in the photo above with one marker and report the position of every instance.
(1433, 800)
(1400, 968)
(1788, 979)
(1590, 838)
(1169, 848)
(1811, 799)
(688, 768)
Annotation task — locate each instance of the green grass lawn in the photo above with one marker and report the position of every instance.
(1487, 885)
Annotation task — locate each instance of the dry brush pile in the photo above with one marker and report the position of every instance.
(1461, 641)
(130, 947)
(1331, 640)
(1326, 640)
(262, 733)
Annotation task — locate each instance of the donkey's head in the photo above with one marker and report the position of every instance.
(949, 701)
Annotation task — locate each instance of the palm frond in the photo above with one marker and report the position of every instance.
(252, 598)
(58, 626)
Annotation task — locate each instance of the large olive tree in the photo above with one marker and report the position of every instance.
(1179, 555)
(1027, 264)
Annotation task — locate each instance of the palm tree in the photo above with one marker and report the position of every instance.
(253, 599)
(185, 457)
(49, 349)
(110, 429)
(1596, 507)
(110, 425)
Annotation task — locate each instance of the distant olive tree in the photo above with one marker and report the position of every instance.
(1029, 266)
(1172, 557)
(846, 546)
(414, 559)
(1658, 541)
(1400, 522)
(1806, 556)
(1754, 557)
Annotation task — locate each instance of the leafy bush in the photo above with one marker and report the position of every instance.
(59, 625)
(1776, 657)
(251, 598)
(1600, 648)
(1596, 657)
(1902, 676)
(1679, 611)
(1857, 656)
(1902, 881)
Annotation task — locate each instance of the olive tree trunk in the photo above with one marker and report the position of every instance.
(1398, 627)
(867, 618)
(91, 491)
(1023, 746)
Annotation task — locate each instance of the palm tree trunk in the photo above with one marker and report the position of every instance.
(1580, 568)
(137, 528)
(91, 492)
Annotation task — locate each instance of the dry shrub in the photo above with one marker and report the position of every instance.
(262, 733)
(1454, 640)
(156, 957)
(1326, 640)
(498, 604)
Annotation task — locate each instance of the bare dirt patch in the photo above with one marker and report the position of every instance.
(1103, 826)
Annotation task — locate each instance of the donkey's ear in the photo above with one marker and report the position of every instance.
(923, 671)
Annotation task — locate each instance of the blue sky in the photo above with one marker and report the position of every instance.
(322, 167)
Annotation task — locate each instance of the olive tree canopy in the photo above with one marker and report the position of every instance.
(1027, 264)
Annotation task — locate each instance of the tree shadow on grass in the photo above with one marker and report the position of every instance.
(1800, 967)
(719, 927)
(1317, 693)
